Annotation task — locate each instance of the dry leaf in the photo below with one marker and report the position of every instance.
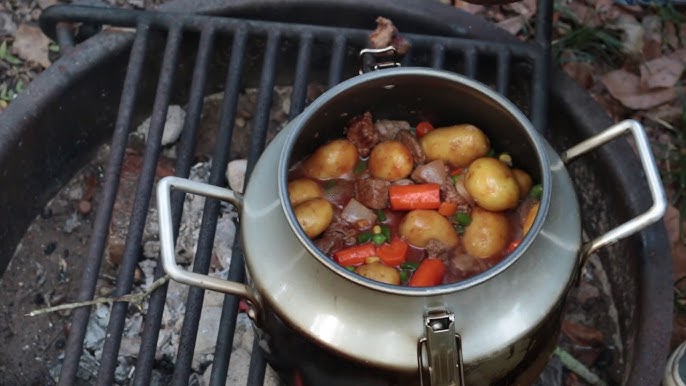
(584, 14)
(679, 55)
(526, 8)
(30, 44)
(670, 112)
(670, 35)
(661, 72)
(582, 72)
(625, 87)
(581, 334)
(469, 7)
(632, 37)
(512, 25)
(652, 37)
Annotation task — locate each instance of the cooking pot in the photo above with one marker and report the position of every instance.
(496, 327)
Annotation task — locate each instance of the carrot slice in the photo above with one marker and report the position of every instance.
(447, 209)
(393, 254)
(513, 245)
(423, 128)
(429, 273)
(457, 172)
(411, 197)
(354, 255)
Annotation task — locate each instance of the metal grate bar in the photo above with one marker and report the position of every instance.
(140, 207)
(227, 322)
(182, 369)
(437, 56)
(337, 60)
(540, 79)
(153, 317)
(103, 214)
(502, 79)
(264, 101)
(470, 62)
(258, 365)
(299, 94)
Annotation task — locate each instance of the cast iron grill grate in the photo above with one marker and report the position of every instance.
(496, 63)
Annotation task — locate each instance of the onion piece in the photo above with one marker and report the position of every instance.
(432, 173)
(358, 214)
(403, 181)
(462, 191)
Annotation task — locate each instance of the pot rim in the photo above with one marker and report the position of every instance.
(302, 120)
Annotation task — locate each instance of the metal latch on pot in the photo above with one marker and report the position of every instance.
(443, 350)
(372, 59)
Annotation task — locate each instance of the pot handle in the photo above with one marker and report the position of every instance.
(164, 188)
(656, 211)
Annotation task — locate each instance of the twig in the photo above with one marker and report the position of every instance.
(135, 299)
(577, 367)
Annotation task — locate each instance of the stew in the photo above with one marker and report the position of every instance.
(413, 205)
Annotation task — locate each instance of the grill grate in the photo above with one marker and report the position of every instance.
(530, 61)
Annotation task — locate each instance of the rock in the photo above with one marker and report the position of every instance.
(223, 240)
(235, 173)
(172, 127)
(46, 3)
(7, 25)
(97, 327)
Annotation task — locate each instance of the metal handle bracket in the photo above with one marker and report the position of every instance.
(164, 188)
(443, 348)
(654, 213)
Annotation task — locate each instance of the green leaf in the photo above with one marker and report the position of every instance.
(3, 49)
(53, 47)
(11, 59)
(19, 87)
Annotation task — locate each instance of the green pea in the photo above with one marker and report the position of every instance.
(364, 237)
(410, 265)
(462, 218)
(386, 232)
(378, 239)
(536, 192)
(381, 215)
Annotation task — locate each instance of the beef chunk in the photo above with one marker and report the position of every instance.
(410, 141)
(450, 194)
(372, 192)
(387, 34)
(389, 129)
(432, 173)
(339, 234)
(362, 134)
(437, 249)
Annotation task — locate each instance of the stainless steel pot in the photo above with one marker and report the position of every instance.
(477, 331)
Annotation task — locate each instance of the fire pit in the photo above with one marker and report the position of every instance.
(179, 58)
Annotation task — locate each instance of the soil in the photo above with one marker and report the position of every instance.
(45, 271)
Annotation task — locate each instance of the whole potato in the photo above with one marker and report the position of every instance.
(492, 184)
(529, 218)
(420, 226)
(457, 145)
(523, 181)
(331, 160)
(314, 216)
(380, 272)
(303, 189)
(390, 161)
(487, 234)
